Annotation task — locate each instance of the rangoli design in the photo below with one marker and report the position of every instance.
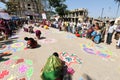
(70, 59)
(14, 47)
(96, 49)
(47, 41)
(16, 69)
(71, 36)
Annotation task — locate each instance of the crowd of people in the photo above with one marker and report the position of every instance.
(55, 68)
(94, 31)
(97, 32)
(8, 27)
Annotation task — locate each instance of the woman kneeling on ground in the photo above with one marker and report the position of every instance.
(31, 43)
(53, 68)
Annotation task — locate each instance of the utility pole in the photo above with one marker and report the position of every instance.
(102, 13)
(117, 10)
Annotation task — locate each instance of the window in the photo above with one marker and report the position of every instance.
(29, 8)
(28, 4)
(81, 13)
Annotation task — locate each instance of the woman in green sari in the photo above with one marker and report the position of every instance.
(53, 68)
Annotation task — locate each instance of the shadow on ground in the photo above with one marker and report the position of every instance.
(42, 37)
(7, 42)
(66, 75)
(86, 77)
(3, 55)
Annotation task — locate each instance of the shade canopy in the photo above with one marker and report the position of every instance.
(5, 15)
(15, 18)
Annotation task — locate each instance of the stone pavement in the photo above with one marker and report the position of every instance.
(89, 60)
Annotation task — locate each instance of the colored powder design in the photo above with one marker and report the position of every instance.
(19, 61)
(20, 67)
(81, 78)
(11, 77)
(47, 41)
(96, 49)
(29, 62)
(18, 46)
(4, 74)
(14, 47)
(22, 79)
(70, 59)
(5, 49)
(16, 57)
(30, 72)
(71, 36)
(23, 69)
(8, 62)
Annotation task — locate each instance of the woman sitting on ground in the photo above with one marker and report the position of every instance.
(31, 43)
(53, 68)
(78, 33)
(96, 34)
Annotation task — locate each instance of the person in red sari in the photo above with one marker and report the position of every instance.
(31, 43)
(38, 34)
(77, 33)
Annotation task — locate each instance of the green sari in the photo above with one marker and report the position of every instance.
(52, 69)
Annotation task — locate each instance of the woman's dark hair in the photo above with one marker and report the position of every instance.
(26, 38)
(31, 39)
(112, 23)
(56, 54)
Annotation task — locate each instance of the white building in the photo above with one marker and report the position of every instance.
(76, 15)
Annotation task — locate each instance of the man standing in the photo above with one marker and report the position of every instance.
(110, 32)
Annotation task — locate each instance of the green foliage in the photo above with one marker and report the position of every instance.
(59, 6)
(118, 1)
(12, 7)
(56, 3)
(4, 1)
(61, 9)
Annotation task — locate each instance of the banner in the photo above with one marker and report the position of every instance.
(44, 16)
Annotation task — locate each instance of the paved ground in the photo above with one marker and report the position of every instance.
(90, 61)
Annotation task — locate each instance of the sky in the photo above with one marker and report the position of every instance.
(94, 7)
(2, 5)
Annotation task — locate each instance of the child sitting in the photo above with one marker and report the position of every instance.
(77, 33)
(31, 43)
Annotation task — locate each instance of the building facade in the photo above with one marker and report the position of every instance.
(76, 15)
(28, 8)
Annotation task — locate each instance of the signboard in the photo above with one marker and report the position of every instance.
(44, 16)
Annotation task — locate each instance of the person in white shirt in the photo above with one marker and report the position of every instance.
(110, 32)
(118, 43)
(79, 26)
(71, 24)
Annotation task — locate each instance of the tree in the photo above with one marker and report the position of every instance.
(61, 9)
(12, 8)
(56, 3)
(117, 1)
(4, 1)
(59, 6)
